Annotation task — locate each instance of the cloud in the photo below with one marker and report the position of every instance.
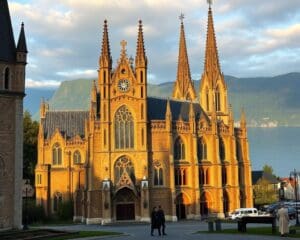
(64, 38)
(30, 83)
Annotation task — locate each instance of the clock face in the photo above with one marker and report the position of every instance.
(123, 85)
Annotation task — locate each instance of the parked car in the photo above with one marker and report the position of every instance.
(242, 212)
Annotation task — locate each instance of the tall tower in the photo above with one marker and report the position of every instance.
(213, 89)
(12, 84)
(183, 88)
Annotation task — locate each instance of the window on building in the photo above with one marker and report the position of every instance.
(180, 176)
(76, 157)
(201, 150)
(56, 154)
(39, 179)
(6, 78)
(221, 149)
(158, 174)
(57, 201)
(124, 129)
(201, 176)
(179, 150)
(207, 99)
(142, 76)
(218, 99)
(124, 164)
(239, 155)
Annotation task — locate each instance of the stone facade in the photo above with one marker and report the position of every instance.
(131, 152)
(12, 81)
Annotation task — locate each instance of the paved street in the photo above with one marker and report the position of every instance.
(181, 231)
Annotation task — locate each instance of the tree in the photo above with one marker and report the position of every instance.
(31, 129)
(268, 169)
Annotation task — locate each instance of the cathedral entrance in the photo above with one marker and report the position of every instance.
(125, 204)
(125, 211)
(181, 206)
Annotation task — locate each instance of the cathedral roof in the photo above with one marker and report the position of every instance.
(69, 123)
(179, 109)
(7, 41)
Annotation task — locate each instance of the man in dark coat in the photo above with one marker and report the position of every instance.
(155, 221)
(161, 216)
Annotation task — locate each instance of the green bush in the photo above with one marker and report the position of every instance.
(65, 210)
(33, 212)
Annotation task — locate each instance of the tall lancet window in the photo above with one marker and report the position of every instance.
(124, 129)
(218, 99)
(207, 99)
(179, 150)
(6, 78)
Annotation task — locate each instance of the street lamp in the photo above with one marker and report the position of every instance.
(25, 226)
(294, 174)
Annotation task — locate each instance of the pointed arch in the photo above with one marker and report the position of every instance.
(124, 128)
(77, 157)
(179, 149)
(124, 164)
(201, 149)
(158, 174)
(56, 154)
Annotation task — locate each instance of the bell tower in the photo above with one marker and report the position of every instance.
(213, 89)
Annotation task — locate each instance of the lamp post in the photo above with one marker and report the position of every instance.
(25, 226)
(294, 174)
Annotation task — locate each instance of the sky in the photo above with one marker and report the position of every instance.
(254, 37)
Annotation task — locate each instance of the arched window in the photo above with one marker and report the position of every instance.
(201, 149)
(218, 99)
(57, 201)
(56, 154)
(76, 157)
(142, 76)
(207, 99)
(222, 149)
(124, 164)
(180, 176)
(6, 78)
(158, 174)
(124, 129)
(179, 149)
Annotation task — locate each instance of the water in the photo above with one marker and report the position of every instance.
(277, 147)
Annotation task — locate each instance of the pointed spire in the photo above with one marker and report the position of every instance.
(183, 88)
(211, 66)
(140, 59)
(105, 57)
(7, 41)
(22, 46)
(243, 118)
(168, 110)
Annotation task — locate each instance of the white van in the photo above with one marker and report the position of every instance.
(241, 212)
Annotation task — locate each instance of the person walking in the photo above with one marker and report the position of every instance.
(162, 218)
(283, 218)
(155, 221)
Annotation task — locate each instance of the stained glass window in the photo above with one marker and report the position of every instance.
(124, 129)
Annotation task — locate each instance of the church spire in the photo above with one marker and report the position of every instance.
(7, 41)
(212, 65)
(140, 59)
(105, 60)
(22, 46)
(183, 88)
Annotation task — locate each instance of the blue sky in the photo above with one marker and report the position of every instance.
(255, 38)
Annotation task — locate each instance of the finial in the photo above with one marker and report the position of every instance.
(140, 22)
(209, 2)
(181, 17)
(123, 45)
(22, 24)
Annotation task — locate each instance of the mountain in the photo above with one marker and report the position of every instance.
(268, 101)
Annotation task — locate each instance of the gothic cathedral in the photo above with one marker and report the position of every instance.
(131, 152)
(12, 91)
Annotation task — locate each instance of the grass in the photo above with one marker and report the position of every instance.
(255, 231)
(84, 234)
(53, 222)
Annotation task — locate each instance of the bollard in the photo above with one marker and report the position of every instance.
(218, 225)
(210, 226)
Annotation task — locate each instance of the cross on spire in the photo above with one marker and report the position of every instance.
(123, 45)
(181, 17)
